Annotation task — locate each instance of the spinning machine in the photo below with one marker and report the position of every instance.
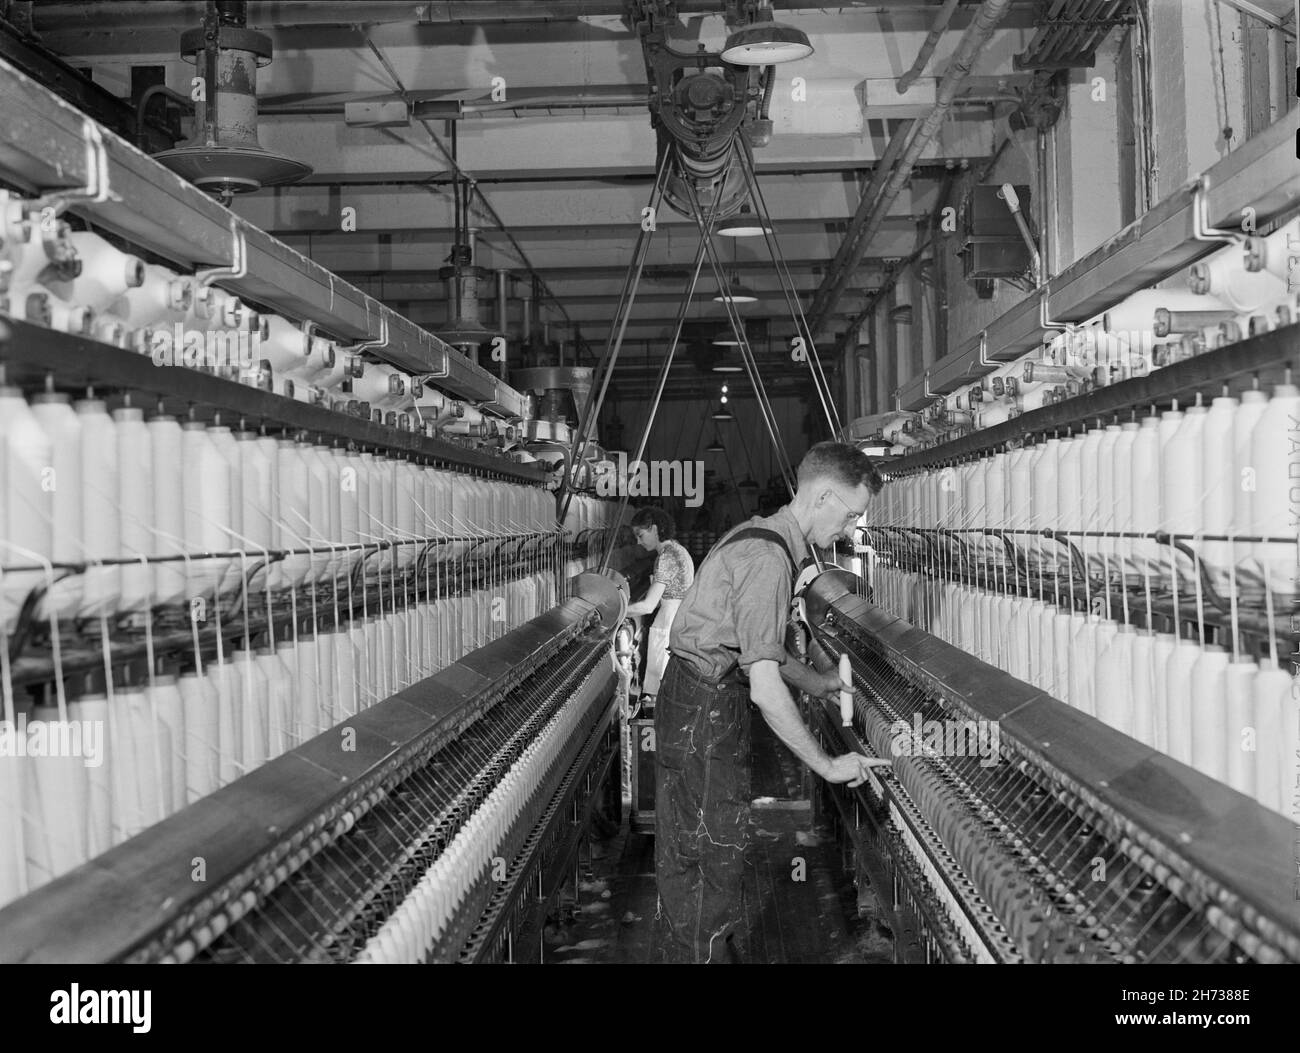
(298, 660)
(1080, 638)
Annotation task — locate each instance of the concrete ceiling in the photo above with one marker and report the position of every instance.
(566, 159)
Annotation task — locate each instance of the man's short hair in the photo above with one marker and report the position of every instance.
(842, 463)
(657, 517)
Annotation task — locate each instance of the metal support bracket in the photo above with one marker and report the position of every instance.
(96, 190)
(1201, 228)
(984, 350)
(238, 258)
(1045, 319)
(926, 387)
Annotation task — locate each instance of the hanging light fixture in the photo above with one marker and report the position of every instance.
(735, 292)
(744, 225)
(722, 413)
(725, 338)
(765, 42)
(716, 445)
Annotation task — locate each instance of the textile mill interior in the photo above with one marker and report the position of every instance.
(382, 386)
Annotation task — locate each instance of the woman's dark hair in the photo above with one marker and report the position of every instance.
(657, 517)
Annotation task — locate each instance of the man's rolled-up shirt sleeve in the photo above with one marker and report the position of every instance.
(761, 601)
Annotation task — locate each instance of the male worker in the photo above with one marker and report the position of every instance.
(731, 627)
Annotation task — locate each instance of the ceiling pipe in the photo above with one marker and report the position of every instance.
(941, 21)
(986, 19)
(293, 14)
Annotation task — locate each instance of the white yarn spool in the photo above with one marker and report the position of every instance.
(1245, 478)
(225, 680)
(1145, 494)
(1163, 647)
(205, 492)
(1218, 486)
(1113, 680)
(153, 722)
(988, 628)
(1045, 650)
(1240, 747)
(1272, 693)
(15, 804)
(132, 758)
(135, 507)
(308, 689)
(53, 412)
(279, 701)
(166, 522)
(1209, 713)
(1275, 454)
(201, 706)
(233, 526)
(1275, 253)
(1178, 698)
(1090, 498)
(252, 707)
(56, 801)
(332, 528)
(285, 347)
(26, 508)
(346, 670)
(1121, 497)
(1108, 495)
(406, 501)
(164, 698)
(1224, 276)
(373, 651)
(1006, 646)
(290, 734)
(99, 807)
(349, 498)
(106, 272)
(402, 655)
(100, 524)
(1289, 776)
(1142, 685)
(1069, 495)
(294, 473)
(163, 299)
(327, 703)
(316, 527)
(1137, 313)
(1044, 502)
(1180, 476)
(258, 509)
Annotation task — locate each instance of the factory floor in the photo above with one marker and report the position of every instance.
(797, 912)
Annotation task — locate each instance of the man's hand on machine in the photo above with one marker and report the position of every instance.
(852, 768)
(827, 686)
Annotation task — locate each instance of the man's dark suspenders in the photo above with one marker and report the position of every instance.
(763, 533)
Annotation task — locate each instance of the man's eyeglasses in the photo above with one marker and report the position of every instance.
(850, 515)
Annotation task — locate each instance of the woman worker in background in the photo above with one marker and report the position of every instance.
(673, 574)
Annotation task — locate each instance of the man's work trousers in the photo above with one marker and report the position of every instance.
(701, 812)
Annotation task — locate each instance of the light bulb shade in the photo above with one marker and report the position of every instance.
(766, 44)
(715, 447)
(735, 294)
(723, 414)
(723, 367)
(725, 338)
(744, 225)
